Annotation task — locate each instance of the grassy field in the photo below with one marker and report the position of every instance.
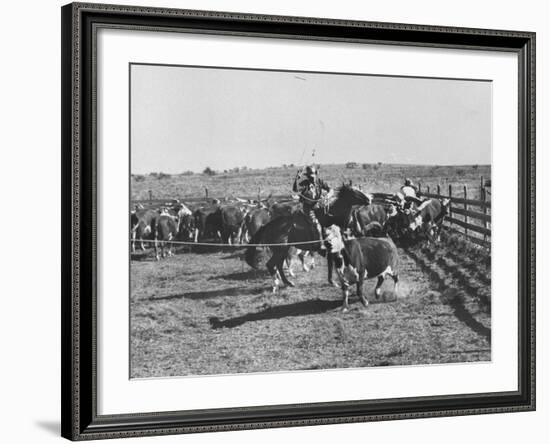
(278, 180)
(206, 312)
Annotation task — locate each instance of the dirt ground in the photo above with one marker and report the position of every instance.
(206, 312)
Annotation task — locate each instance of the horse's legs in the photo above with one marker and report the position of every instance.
(288, 260)
(378, 285)
(279, 264)
(302, 255)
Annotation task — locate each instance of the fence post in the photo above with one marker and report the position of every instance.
(428, 189)
(450, 204)
(150, 197)
(419, 188)
(485, 225)
(465, 209)
(481, 193)
(438, 190)
(206, 192)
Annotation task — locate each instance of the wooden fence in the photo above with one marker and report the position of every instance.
(472, 223)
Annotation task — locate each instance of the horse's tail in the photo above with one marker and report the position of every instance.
(253, 253)
(275, 231)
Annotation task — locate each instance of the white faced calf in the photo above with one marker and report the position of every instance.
(363, 258)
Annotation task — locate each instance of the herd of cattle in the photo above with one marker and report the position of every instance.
(236, 221)
(363, 248)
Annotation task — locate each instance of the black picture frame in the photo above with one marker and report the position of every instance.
(79, 170)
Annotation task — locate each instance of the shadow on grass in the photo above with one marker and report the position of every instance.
(303, 308)
(142, 256)
(456, 302)
(453, 297)
(210, 294)
(242, 275)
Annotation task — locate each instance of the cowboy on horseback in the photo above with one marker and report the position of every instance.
(408, 196)
(310, 190)
(408, 189)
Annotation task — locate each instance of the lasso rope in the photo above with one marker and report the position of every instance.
(213, 244)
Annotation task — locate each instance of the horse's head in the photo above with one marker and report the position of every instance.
(353, 196)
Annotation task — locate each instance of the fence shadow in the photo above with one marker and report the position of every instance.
(455, 300)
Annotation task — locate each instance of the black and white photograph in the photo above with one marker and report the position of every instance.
(291, 220)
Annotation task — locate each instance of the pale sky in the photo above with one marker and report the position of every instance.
(187, 118)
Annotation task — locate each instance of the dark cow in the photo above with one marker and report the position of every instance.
(253, 221)
(186, 229)
(368, 220)
(231, 218)
(207, 222)
(142, 227)
(363, 258)
(166, 230)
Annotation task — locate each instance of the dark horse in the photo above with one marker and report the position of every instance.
(295, 227)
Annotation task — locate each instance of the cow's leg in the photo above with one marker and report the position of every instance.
(378, 285)
(238, 238)
(302, 255)
(329, 269)
(312, 264)
(288, 262)
(330, 266)
(274, 273)
(133, 243)
(196, 235)
(156, 243)
(243, 236)
(438, 233)
(429, 232)
(362, 297)
(395, 277)
(345, 294)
